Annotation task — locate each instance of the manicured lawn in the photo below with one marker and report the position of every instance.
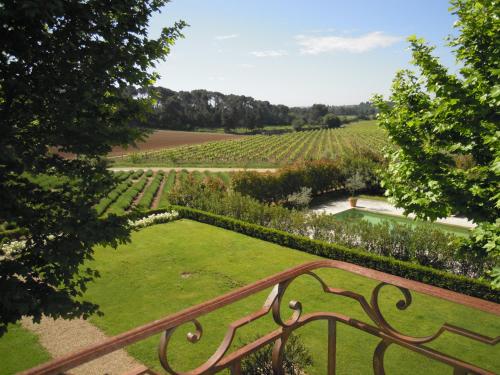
(20, 350)
(172, 266)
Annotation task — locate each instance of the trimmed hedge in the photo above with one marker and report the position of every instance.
(460, 284)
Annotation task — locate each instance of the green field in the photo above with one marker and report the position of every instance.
(269, 150)
(173, 266)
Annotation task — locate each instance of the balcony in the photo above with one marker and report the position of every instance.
(224, 358)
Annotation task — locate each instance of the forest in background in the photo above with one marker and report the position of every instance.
(203, 109)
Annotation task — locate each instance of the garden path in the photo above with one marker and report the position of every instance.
(60, 337)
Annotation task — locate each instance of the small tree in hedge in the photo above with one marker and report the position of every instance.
(355, 183)
(438, 119)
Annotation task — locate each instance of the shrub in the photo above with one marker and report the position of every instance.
(300, 199)
(318, 175)
(169, 183)
(126, 199)
(296, 359)
(112, 196)
(146, 221)
(150, 193)
(138, 173)
(355, 183)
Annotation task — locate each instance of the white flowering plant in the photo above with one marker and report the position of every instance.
(158, 218)
(9, 249)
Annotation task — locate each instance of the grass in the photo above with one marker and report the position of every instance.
(169, 267)
(20, 350)
(172, 266)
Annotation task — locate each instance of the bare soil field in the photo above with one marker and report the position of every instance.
(172, 138)
(168, 138)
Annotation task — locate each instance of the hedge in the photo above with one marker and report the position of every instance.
(412, 271)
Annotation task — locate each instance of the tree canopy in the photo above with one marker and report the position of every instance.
(445, 128)
(65, 70)
(189, 110)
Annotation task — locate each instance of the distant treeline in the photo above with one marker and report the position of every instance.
(189, 110)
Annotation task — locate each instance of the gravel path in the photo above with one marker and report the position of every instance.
(192, 169)
(60, 337)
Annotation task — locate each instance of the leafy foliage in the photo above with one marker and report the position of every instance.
(438, 120)
(188, 110)
(318, 175)
(355, 183)
(65, 70)
(296, 358)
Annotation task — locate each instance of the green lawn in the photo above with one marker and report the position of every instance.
(20, 350)
(172, 266)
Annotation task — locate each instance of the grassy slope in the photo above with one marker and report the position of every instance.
(20, 350)
(143, 281)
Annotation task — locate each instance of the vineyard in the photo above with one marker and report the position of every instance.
(269, 150)
(148, 190)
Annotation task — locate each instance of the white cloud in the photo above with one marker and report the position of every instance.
(247, 66)
(216, 78)
(224, 37)
(270, 53)
(316, 45)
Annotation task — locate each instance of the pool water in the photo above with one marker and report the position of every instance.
(376, 218)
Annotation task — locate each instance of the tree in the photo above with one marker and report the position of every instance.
(297, 123)
(331, 121)
(65, 70)
(317, 112)
(446, 129)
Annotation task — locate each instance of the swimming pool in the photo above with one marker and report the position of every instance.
(354, 214)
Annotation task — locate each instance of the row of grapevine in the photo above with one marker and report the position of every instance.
(271, 150)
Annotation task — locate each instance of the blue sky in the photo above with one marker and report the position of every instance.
(298, 52)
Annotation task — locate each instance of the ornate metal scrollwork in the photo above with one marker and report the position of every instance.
(165, 339)
(382, 329)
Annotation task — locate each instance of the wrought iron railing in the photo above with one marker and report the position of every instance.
(223, 358)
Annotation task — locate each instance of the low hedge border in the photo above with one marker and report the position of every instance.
(456, 283)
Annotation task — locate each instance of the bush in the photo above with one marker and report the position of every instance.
(150, 193)
(112, 196)
(300, 199)
(138, 173)
(318, 175)
(126, 199)
(330, 121)
(296, 359)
